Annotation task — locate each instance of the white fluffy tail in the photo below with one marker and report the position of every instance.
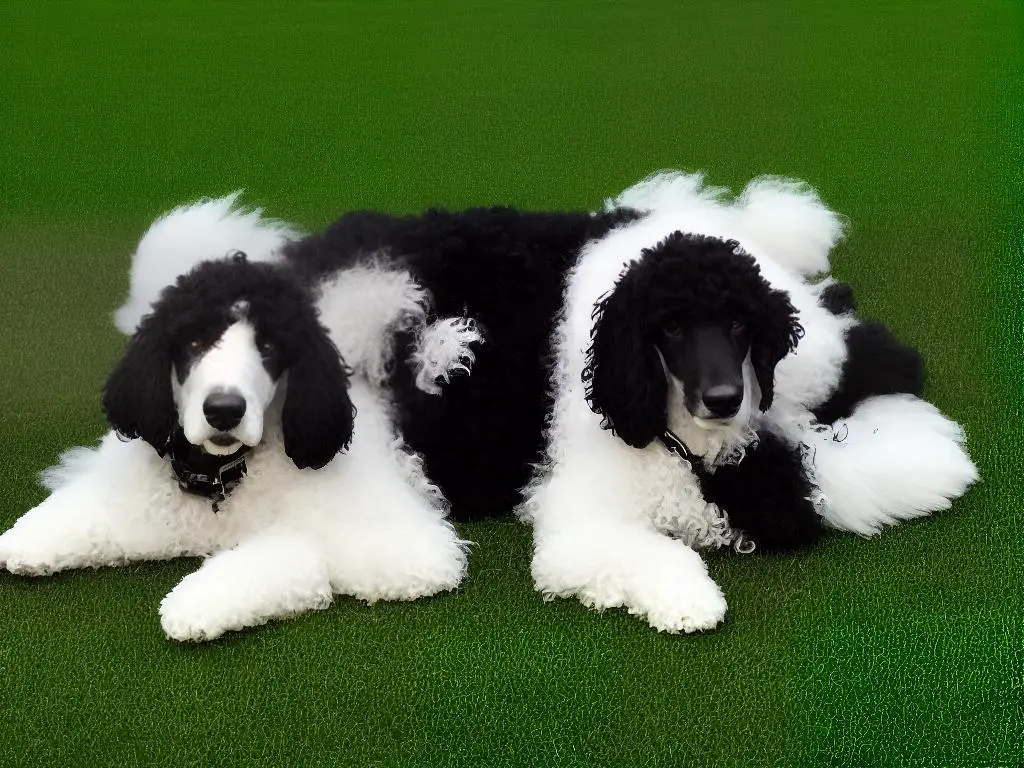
(784, 217)
(666, 190)
(182, 238)
(792, 224)
(443, 349)
(896, 458)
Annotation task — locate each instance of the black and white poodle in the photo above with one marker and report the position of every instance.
(653, 379)
(707, 394)
(231, 412)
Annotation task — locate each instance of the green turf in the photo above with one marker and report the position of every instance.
(906, 651)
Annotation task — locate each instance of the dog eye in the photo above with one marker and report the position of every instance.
(195, 345)
(673, 330)
(266, 347)
(738, 325)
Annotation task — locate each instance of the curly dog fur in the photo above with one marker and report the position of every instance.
(602, 502)
(241, 357)
(498, 359)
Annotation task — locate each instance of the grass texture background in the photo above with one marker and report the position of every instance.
(906, 650)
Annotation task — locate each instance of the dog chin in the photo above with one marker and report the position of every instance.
(712, 424)
(221, 445)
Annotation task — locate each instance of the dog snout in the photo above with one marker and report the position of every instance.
(224, 410)
(723, 401)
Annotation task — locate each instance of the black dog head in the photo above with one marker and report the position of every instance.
(210, 357)
(696, 306)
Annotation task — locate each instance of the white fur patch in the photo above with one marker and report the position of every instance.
(790, 223)
(895, 458)
(443, 348)
(782, 218)
(233, 365)
(665, 190)
(182, 238)
(361, 308)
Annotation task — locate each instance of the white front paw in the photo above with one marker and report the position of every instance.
(659, 579)
(680, 603)
(223, 597)
(29, 553)
(417, 564)
(186, 615)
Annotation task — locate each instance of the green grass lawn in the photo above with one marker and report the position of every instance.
(906, 650)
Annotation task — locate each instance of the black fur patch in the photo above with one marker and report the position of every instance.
(838, 299)
(877, 363)
(504, 268)
(766, 496)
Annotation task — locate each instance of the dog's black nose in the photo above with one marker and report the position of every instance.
(723, 401)
(224, 410)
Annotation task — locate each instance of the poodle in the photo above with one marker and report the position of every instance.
(707, 394)
(231, 411)
(652, 379)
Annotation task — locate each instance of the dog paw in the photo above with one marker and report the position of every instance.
(26, 554)
(662, 581)
(686, 605)
(226, 595)
(407, 567)
(190, 613)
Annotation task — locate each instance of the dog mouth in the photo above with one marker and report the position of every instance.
(222, 443)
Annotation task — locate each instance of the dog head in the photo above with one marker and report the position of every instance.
(691, 325)
(214, 353)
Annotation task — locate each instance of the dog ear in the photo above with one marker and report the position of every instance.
(318, 415)
(777, 333)
(137, 398)
(624, 376)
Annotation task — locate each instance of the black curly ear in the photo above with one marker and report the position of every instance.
(137, 398)
(624, 376)
(777, 333)
(318, 415)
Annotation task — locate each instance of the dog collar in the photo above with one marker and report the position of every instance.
(671, 441)
(205, 474)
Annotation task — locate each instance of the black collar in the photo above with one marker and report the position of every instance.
(205, 474)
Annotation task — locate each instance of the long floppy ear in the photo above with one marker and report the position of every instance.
(624, 376)
(137, 398)
(318, 415)
(776, 334)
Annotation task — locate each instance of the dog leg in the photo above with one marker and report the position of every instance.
(385, 533)
(395, 546)
(589, 545)
(109, 506)
(895, 458)
(274, 574)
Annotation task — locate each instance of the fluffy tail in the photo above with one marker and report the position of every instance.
(443, 349)
(792, 224)
(895, 458)
(786, 218)
(185, 236)
(666, 190)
